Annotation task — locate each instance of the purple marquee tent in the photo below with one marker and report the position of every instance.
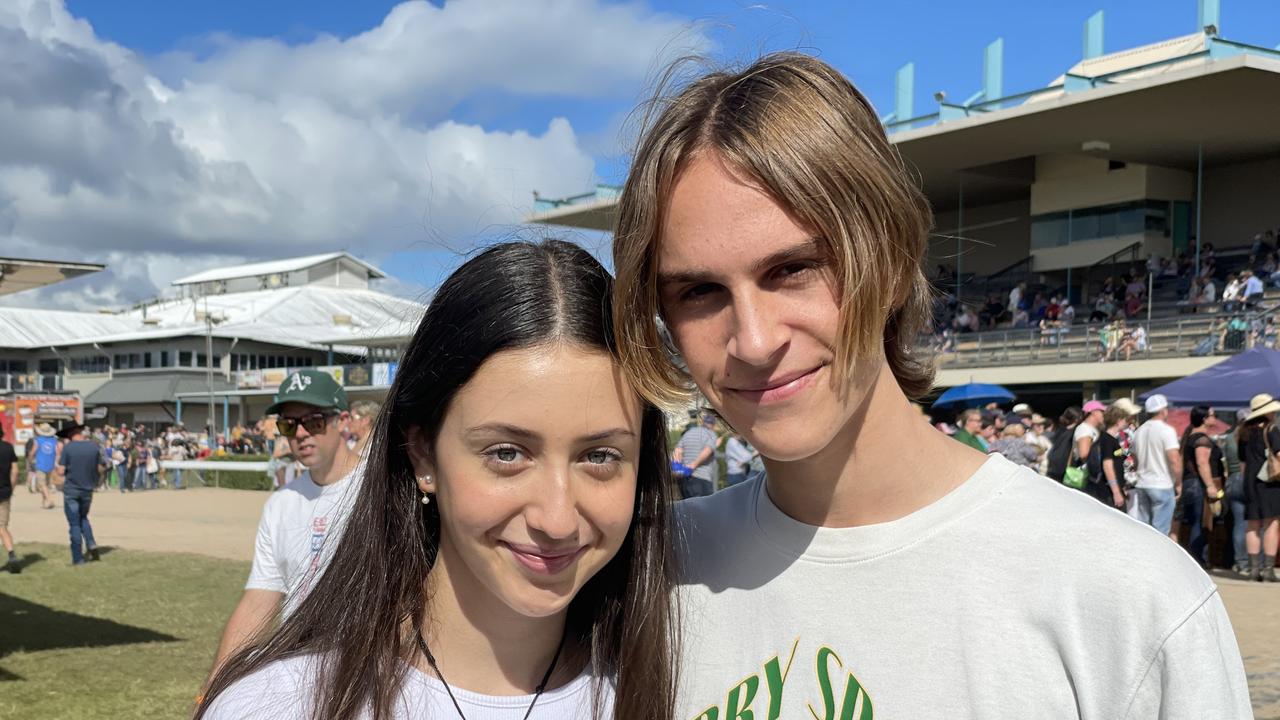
(1228, 384)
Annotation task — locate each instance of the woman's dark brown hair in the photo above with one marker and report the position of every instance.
(362, 617)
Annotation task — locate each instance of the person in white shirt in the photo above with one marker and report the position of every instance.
(738, 456)
(1088, 431)
(877, 568)
(301, 523)
(1253, 288)
(509, 555)
(1157, 458)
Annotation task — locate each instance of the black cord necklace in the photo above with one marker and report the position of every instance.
(537, 692)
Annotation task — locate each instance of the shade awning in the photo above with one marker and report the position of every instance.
(1228, 384)
(151, 389)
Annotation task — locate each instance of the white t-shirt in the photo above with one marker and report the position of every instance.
(1010, 597)
(285, 690)
(1150, 443)
(298, 533)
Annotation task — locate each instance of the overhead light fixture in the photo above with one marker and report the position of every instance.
(1095, 146)
(940, 96)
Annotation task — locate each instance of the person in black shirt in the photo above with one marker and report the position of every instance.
(1203, 475)
(1258, 440)
(79, 465)
(8, 477)
(1110, 487)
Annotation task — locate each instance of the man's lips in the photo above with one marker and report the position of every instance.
(543, 561)
(776, 389)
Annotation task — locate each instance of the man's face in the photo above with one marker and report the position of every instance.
(973, 424)
(748, 298)
(317, 449)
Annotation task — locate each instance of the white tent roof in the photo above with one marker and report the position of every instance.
(1137, 61)
(273, 266)
(307, 316)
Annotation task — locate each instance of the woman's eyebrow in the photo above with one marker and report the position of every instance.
(517, 431)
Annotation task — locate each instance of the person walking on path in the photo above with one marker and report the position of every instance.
(301, 523)
(8, 479)
(1235, 495)
(1158, 460)
(1259, 442)
(738, 456)
(45, 451)
(697, 451)
(1203, 476)
(79, 466)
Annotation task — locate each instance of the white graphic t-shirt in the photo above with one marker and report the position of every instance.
(298, 533)
(1010, 597)
(285, 689)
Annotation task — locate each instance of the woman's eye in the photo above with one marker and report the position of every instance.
(601, 457)
(504, 454)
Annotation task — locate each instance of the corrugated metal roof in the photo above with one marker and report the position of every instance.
(307, 316)
(151, 389)
(273, 266)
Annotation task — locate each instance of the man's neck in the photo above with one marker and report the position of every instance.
(482, 645)
(885, 463)
(329, 473)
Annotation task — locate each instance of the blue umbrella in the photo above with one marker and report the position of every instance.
(973, 395)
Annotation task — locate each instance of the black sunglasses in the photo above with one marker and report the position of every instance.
(314, 423)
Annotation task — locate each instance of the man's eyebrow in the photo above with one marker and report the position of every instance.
(801, 250)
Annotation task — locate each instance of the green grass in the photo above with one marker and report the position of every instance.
(132, 636)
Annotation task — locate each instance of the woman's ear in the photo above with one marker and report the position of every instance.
(419, 454)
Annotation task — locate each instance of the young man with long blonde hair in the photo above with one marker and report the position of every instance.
(879, 569)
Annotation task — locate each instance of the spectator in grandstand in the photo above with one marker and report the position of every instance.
(1110, 336)
(1259, 246)
(1038, 308)
(1208, 291)
(1137, 286)
(1232, 293)
(1234, 333)
(1158, 464)
(1013, 446)
(992, 312)
(969, 429)
(1253, 289)
(1015, 297)
(966, 320)
(1135, 340)
(1021, 318)
(1259, 444)
(1104, 307)
(1132, 305)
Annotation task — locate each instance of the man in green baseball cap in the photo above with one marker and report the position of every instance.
(302, 522)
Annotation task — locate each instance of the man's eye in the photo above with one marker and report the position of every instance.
(697, 292)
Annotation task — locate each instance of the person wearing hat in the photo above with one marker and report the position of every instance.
(1086, 435)
(1012, 443)
(1158, 464)
(1259, 445)
(1038, 435)
(302, 521)
(45, 453)
(79, 465)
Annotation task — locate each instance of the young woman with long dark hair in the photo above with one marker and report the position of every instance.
(508, 555)
(1203, 475)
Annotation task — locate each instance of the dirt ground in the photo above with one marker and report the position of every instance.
(221, 523)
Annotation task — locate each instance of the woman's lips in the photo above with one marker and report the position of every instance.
(543, 562)
(778, 391)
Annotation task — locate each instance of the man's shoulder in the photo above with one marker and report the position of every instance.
(281, 689)
(716, 515)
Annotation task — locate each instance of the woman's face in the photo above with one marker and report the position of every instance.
(747, 295)
(534, 472)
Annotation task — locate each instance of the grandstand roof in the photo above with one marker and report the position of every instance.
(18, 274)
(274, 266)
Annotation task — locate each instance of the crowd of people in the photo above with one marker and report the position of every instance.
(1132, 459)
(704, 450)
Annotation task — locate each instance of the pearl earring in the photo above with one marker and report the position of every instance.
(426, 497)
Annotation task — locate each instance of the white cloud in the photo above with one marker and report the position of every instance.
(262, 149)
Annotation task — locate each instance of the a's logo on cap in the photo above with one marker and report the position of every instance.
(298, 383)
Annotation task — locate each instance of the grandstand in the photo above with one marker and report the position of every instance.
(1151, 166)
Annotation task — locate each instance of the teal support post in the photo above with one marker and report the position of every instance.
(1199, 201)
(178, 412)
(330, 360)
(1210, 14)
(1093, 36)
(226, 418)
(993, 71)
(904, 88)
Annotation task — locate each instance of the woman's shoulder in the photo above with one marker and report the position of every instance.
(278, 691)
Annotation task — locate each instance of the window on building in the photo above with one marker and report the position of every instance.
(184, 358)
(164, 358)
(201, 360)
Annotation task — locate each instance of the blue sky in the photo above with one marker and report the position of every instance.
(867, 40)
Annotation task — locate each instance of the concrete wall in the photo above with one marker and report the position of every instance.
(1005, 239)
(1070, 182)
(1240, 201)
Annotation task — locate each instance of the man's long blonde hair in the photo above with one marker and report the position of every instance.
(798, 129)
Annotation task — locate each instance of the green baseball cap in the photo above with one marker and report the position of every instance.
(310, 387)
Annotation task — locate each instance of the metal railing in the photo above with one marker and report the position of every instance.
(29, 382)
(1208, 332)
